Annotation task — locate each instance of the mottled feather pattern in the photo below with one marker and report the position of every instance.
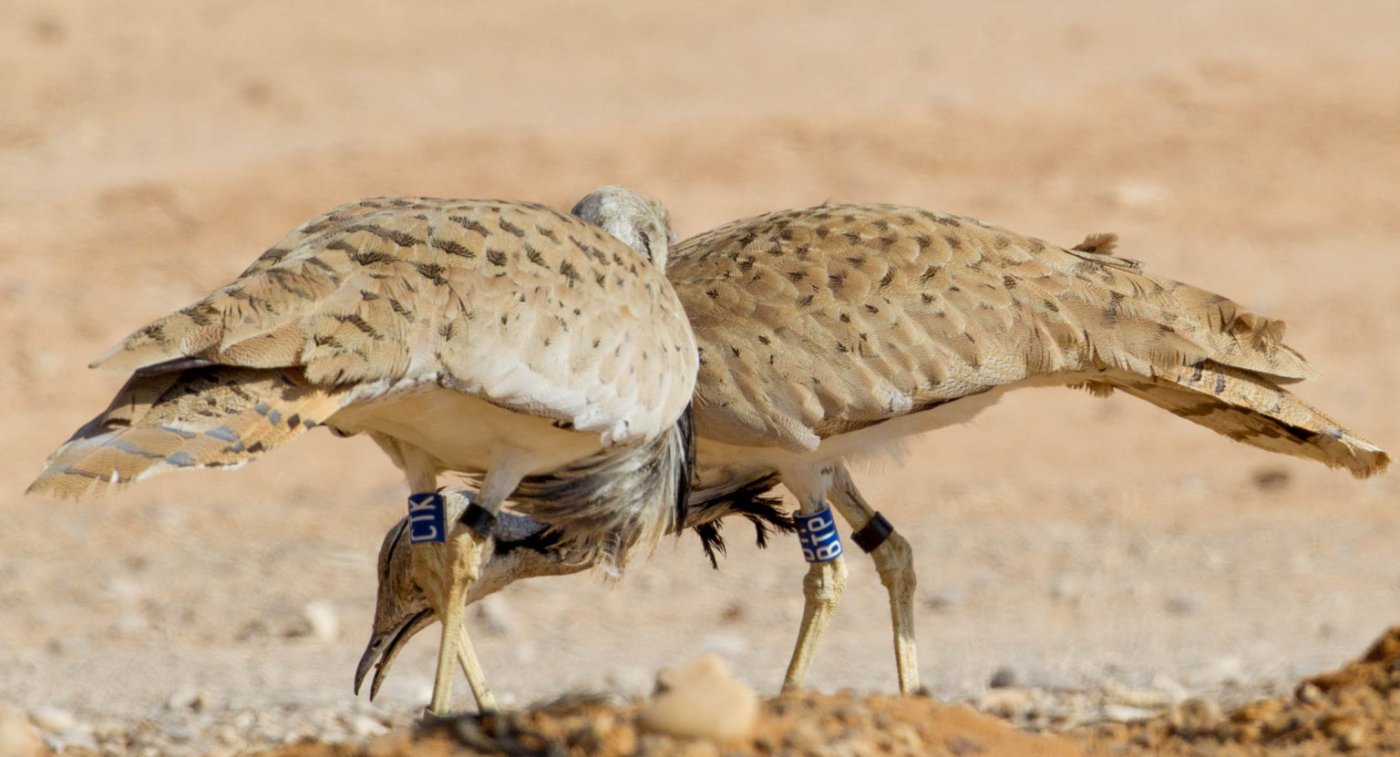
(202, 418)
(527, 308)
(395, 288)
(820, 321)
(610, 500)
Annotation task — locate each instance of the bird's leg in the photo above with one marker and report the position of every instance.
(445, 571)
(826, 577)
(460, 559)
(457, 570)
(446, 558)
(476, 678)
(894, 561)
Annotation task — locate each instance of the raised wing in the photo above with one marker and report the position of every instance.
(524, 306)
(819, 321)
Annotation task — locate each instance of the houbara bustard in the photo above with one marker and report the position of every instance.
(528, 348)
(829, 333)
(524, 548)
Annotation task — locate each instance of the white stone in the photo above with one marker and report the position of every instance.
(1122, 713)
(364, 727)
(700, 700)
(322, 618)
(53, 720)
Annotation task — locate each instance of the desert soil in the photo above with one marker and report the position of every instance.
(1099, 560)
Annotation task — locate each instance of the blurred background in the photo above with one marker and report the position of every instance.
(150, 150)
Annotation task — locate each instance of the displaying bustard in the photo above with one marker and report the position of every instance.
(504, 340)
(524, 548)
(829, 333)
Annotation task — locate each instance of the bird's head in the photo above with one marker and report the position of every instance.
(641, 223)
(520, 548)
(523, 548)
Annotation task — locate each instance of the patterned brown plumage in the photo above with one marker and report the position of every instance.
(819, 322)
(511, 302)
(503, 340)
(830, 332)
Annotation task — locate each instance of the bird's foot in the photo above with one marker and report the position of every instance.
(447, 559)
(822, 588)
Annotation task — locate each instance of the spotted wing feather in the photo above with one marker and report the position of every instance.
(820, 321)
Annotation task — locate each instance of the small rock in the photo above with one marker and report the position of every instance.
(1224, 670)
(228, 735)
(1309, 693)
(1354, 738)
(1179, 604)
(1144, 698)
(1270, 479)
(732, 644)
(1065, 589)
(73, 740)
(364, 727)
(124, 588)
(53, 720)
(1005, 703)
(700, 700)
(322, 619)
(1122, 713)
(940, 601)
(132, 623)
(109, 730)
(1195, 716)
(185, 698)
(17, 734)
(1005, 677)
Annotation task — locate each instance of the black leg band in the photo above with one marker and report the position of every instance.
(873, 534)
(478, 519)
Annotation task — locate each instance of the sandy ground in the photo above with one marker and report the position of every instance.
(1071, 543)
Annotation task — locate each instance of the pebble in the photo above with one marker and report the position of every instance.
(17, 735)
(53, 720)
(700, 700)
(1142, 698)
(185, 698)
(1065, 589)
(1179, 604)
(940, 601)
(1005, 677)
(1122, 713)
(322, 619)
(1195, 716)
(731, 644)
(1171, 688)
(1006, 703)
(363, 727)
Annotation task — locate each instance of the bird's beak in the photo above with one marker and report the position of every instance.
(384, 646)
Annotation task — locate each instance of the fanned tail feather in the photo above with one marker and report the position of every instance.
(209, 417)
(1251, 408)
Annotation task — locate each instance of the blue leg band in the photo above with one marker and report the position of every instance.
(427, 521)
(818, 537)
